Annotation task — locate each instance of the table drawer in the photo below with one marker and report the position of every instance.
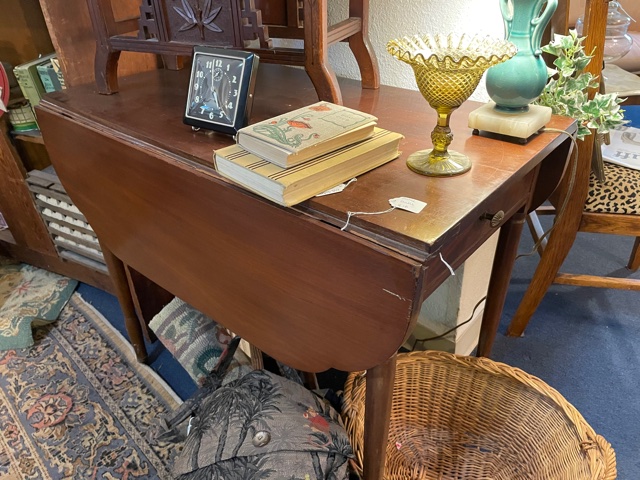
(464, 239)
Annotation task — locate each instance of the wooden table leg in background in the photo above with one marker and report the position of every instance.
(131, 322)
(378, 400)
(499, 283)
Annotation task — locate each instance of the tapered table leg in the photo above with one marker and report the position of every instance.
(131, 322)
(499, 282)
(378, 401)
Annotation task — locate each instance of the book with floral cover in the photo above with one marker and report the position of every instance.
(306, 133)
(288, 186)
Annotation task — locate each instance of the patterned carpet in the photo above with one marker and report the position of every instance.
(77, 405)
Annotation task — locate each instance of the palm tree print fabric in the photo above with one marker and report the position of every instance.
(263, 426)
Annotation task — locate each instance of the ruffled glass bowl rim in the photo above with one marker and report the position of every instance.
(452, 50)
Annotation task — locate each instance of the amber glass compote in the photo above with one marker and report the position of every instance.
(448, 70)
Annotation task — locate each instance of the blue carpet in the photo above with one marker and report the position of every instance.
(581, 341)
(159, 358)
(632, 113)
(584, 342)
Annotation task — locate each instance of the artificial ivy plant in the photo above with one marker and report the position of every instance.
(566, 90)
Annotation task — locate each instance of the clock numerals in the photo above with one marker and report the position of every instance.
(220, 90)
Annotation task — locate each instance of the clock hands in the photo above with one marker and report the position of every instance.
(216, 99)
(219, 89)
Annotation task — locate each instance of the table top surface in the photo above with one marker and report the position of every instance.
(286, 279)
(149, 109)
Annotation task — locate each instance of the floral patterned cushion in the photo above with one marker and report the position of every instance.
(264, 426)
(195, 340)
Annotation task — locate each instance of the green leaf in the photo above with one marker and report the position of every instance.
(568, 85)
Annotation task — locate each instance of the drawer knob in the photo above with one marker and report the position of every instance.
(494, 218)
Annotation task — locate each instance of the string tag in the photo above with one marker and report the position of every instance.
(409, 204)
(351, 214)
(403, 203)
(337, 188)
(447, 265)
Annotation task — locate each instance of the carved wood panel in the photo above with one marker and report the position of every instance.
(226, 23)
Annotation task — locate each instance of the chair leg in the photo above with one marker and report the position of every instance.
(535, 227)
(558, 246)
(316, 53)
(361, 46)
(106, 70)
(570, 195)
(634, 260)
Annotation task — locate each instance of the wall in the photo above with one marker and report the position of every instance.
(392, 19)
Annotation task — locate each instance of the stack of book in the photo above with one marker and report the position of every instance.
(50, 77)
(295, 156)
(35, 78)
(29, 78)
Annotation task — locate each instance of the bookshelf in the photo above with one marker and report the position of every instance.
(29, 28)
(33, 136)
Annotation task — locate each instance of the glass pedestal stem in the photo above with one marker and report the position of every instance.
(441, 136)
(439, 161)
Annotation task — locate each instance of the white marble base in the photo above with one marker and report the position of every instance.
(518, 125)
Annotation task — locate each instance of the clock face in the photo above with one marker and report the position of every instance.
(220, 89)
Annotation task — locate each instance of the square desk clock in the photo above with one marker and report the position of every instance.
(220, 89)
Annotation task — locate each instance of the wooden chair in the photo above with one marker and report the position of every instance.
(585, 210)
(157, 29)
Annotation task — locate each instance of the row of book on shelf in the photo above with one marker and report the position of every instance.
(300, 154)
(31, 80)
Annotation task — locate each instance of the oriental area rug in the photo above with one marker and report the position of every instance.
(77, 405)
(29, 296)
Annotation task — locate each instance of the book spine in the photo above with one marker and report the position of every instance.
(55, 62)
(30, 84)
(54, 79)
(28, 89)
(43, 73)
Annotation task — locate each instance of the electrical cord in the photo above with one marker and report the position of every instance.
(429, 339)
(574, 166)
(572, 180)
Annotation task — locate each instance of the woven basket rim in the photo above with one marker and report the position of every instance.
(601, 456)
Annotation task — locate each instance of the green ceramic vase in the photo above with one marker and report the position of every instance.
(514, 84)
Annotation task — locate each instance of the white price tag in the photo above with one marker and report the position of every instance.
(336, 189)
(409, 204)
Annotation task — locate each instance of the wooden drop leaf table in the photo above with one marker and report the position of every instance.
(289, 280)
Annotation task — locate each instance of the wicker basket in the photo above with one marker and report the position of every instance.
(456, 417)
